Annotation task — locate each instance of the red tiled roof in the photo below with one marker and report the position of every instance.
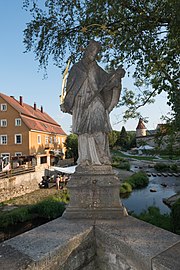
(141, 124)
(34, 119)
(42, 126)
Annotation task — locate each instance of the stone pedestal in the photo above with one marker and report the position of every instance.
(94, 194)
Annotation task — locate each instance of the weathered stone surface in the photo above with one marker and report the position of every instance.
(131, 244)
(11, 258)
(56, 245)
(91, 93)
(19, 185)
(127, 244)
(168, 260)
(94, 192)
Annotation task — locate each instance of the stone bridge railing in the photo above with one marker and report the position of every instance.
(121, 244)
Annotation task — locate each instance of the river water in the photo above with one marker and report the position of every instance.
(141, 199)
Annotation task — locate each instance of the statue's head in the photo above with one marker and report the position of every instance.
(92, 49)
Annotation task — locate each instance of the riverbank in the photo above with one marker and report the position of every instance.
(171, 200)
(29, 198)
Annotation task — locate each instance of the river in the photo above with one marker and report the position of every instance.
(141, 199)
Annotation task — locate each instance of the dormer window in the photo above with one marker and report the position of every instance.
(3, 107)
(17, 122)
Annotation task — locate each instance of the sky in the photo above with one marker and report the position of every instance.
(20, 75)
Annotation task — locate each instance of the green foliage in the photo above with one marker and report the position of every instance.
(14, 216)
(71, 145)
(120, 163)
(120, 154)
(125, 188)
(175, 214)
(169, 138)
(153, 216)
(63, 196)
(144, 34)
(123, 139)
(138, 180)
(113, 136)
(50, 208)
(164, 167)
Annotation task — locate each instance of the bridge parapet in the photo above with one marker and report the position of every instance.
(63, 244)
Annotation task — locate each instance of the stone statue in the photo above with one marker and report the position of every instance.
(91, 94)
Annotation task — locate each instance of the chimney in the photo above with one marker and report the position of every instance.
(42, 109)
(34, 106)
(21, 100)
(12, 97)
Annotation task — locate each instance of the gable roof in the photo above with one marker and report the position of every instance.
(34, 118)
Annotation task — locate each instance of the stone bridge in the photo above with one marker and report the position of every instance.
(124, 244)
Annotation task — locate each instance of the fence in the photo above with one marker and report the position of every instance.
(17, 171)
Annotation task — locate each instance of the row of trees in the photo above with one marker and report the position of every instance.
(123, 140)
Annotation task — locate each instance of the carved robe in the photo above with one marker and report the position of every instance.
(91, 95)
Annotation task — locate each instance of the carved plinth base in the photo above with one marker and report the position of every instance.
(94, 194)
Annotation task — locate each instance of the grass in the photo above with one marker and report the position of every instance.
(167, 157)
(42, 203)
(120, 154)
(33, 197)
(120, 163)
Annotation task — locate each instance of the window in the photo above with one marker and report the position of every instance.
(5, 158)
(3, 123)
(3, 107)
(17, 122)
(18, 138)
(39, 139)
(51, 140)
(46, 140)
(43, 160)
(3, 139)
(18, 154)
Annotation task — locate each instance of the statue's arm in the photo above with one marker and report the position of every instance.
(112, 88)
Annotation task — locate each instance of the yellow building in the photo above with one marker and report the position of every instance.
(26, 130)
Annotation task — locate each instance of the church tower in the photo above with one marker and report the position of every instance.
(141, 129)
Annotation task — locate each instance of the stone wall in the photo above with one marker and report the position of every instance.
(19, 185)
(124, 244)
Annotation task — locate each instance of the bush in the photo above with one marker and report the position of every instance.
(50, 208)
(153, 216)
(138, 180)
(120, 163)
(174, 168)
(175, 215)
(64, 196)
(14, 216)
(125, 188)
(161, 167)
